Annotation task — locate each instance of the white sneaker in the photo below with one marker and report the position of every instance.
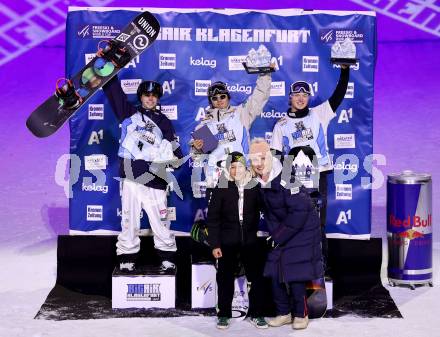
(300, 323)
(127, 266)
(280, 320)
(167, 266)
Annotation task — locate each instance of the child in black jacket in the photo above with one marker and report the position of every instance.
(233, 218)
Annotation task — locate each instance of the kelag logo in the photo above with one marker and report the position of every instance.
(95, 188)
(239, 88)
(272, 114)
(333, 35)
(345, 167)
(203, 62)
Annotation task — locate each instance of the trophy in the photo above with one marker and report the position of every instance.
(344, 52)
(260, 61)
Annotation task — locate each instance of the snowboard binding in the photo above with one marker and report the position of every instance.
(114, 53)
(67, 95)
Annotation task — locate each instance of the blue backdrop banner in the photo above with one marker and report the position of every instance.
(195, 49)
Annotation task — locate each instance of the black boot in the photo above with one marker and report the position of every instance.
(127, 262)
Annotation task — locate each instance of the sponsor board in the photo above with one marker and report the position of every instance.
(345, 141)
(346, 167)
(94, 188)
(170, 111)
(203, 286)
(201, 87)
(143, 291)
(130, 86)
(273, 114)
(92, 31)
(94, 213)
(203, 62)
(344, 191)
(96, 111)
(310, 64)
(278, 88)
(247, 89)
(88, 57)
(333, 35)
(236, 62)
(95, 162)
(171, 214)
(167, 61)
(350, 90)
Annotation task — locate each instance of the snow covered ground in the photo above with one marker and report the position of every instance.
(28, 275)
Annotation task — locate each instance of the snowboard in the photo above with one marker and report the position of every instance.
(316, 298)
(240, 301)
(71, 94)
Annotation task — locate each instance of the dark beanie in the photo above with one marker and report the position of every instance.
(236, 157)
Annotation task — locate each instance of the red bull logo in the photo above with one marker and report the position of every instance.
(410, 234)
(411, 221)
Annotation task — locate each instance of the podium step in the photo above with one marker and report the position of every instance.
(203, 285)
(146, 287)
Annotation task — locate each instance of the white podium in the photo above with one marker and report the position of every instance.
(144, 288)
(203, 285)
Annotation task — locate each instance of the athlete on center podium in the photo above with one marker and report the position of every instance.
(230, 124)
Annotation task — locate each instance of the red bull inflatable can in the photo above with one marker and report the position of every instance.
(409, 228)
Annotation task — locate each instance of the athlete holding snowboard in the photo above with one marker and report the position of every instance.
(148, 143)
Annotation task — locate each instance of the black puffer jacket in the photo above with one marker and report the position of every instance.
(223, 218)
(293, 223)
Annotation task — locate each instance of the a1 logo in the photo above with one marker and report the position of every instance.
(344, 217)
(96, 137)
(168, 86)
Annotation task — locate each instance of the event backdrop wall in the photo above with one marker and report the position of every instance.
(197, 47)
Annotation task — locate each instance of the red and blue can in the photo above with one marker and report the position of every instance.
(409, 228)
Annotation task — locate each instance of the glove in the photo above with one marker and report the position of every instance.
(199, 232)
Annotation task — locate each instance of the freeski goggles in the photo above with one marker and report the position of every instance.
(300, 86)
(217, 88)
(219, 97)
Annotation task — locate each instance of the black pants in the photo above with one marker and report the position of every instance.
(290, 298)
(253, 263)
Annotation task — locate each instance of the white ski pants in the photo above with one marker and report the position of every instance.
(136, 197)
